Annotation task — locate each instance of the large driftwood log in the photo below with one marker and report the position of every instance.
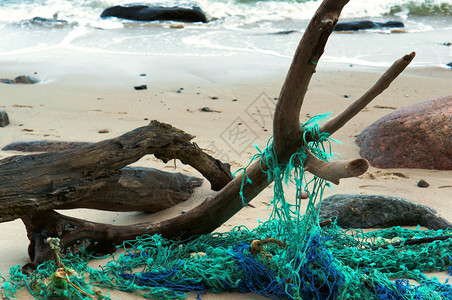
(39, 182)
(215, 210)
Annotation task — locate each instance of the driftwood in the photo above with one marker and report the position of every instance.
(39, 182)
(42, 182)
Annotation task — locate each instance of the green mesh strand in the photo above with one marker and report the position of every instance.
(300, 259)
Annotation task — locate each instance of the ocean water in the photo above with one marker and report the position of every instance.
(237, 27)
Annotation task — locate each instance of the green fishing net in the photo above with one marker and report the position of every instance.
(290, 256)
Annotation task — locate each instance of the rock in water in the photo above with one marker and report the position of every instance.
(417, 136)
(44, 22)
(151, 12)
(24, 79)
(4, 119)
(378, 211)
(366, 24)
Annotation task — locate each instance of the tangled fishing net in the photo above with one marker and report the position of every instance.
(289, 256)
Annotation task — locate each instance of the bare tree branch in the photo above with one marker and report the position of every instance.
(334, 171)
(383, 83)
(286, 123)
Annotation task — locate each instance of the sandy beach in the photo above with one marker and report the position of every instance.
(80, 96)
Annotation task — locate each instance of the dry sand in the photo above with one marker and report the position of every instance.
(76, 105)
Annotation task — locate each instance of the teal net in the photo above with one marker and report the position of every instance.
(290, 256)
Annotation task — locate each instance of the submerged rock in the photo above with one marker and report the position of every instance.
(44, 22)
(366, 24)
(151, 12)
(379, 211)
(417, 136)
(22, 79)
(4, 119)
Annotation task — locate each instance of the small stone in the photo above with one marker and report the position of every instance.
(423, 184)
(178, 91)
(447, 44)
(207, 109)
(146, 119)
(234, 100)
(104, 131)
(100, 98)
(449, 64)
(214, 98)
(142, 75)
(398, 30)
(177, 26)
(4, 119)
(346, 96)
(141, 87)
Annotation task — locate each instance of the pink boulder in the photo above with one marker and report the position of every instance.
(417, 136)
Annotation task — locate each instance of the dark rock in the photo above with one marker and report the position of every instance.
(423, 184)
(366, 24)
(43, 146)
(346, 96)
(24, 79)
(150, 12)
(44, 22)
(4, 119)
(141, 87)
(206, 109)
(7, 81)
(378, 211)
(417, 136)
(449, 64)
(447, 44)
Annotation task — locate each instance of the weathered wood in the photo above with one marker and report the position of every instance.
(44, 146)
(215, 210)
(334, 171)
(39, 182)
(286, 123)
(355, 107)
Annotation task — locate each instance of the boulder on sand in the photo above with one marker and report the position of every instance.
(151, 12)
(379, 211)
(417, 136)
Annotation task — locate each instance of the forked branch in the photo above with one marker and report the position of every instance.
(383, 83)
(288, 137)
(334, 171)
